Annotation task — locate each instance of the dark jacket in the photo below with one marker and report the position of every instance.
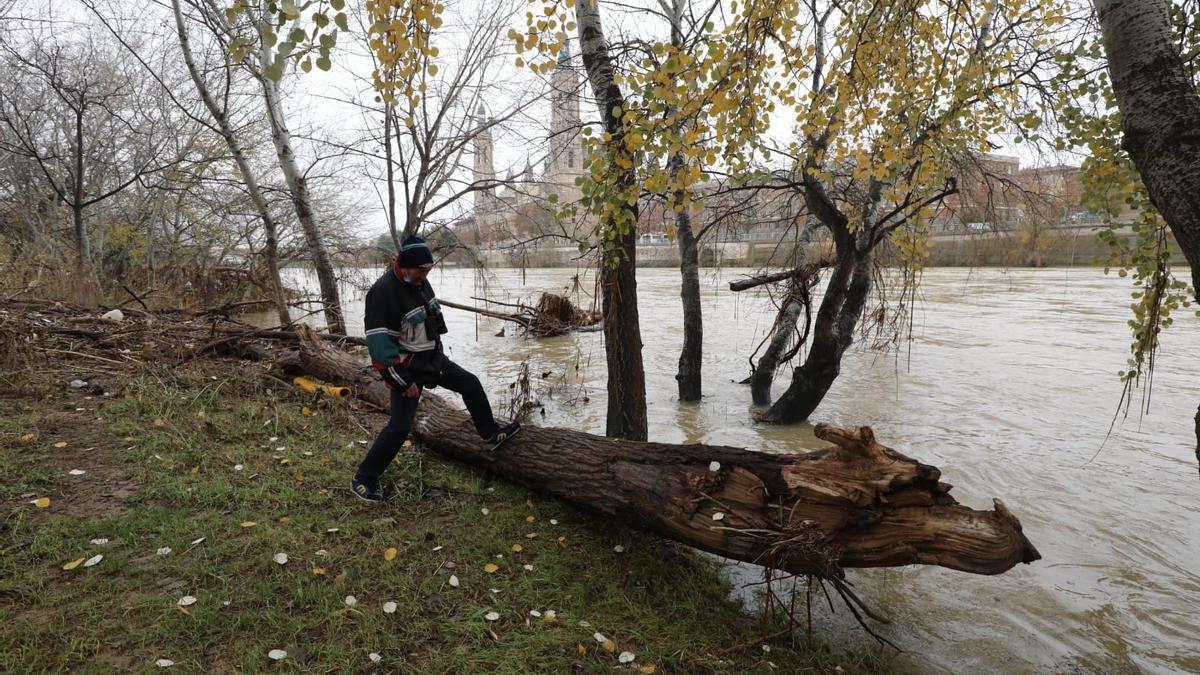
(404, 331)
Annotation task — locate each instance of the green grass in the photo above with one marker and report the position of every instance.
(161, 473)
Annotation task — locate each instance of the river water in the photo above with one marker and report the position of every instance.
(1009, 386)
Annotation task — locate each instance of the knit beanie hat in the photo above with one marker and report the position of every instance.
(414, 252)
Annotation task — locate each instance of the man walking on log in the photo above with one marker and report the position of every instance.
(404, 336)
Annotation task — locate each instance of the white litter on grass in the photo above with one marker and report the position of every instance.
(389, 607)
(187, 601)
(766, 648)
(554, 521)
(238, 467)
(454, 581)
(626, 657)
(333, 530)
(322, 552)
(437, 548)
(484, 511)
(375, 658)
(277, 654)
(619, 548)
(113, 315)
(273, 439)
(99, 542)
(76, 472)
(534, 612)
(166, 550)
(495, 591)
(281, 448)
(94, 560)
(492, 616)
(528, 567)
(718, 516)
(599, 637)
(164, 663)
(351, 601)
(198, 541)
(714, 466)
(281, 558)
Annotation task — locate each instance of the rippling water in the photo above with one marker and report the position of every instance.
(1010, 389)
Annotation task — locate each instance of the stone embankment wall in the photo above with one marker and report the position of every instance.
(1061, 247)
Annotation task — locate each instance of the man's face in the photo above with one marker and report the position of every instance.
(414, 275)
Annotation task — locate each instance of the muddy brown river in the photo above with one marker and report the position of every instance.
(1010, 387)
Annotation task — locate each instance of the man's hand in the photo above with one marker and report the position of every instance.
(412, 392)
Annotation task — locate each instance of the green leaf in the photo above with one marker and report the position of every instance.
(285, 48)
(328, 40)
(297, 36)
(274, 71)
(337, 4)
(306, 64)
(323, 63)
(321, 20)
(288, 7)
(341, 22)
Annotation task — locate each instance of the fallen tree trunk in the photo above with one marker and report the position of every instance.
(855, 503)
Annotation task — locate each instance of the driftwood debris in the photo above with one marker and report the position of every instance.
(856, 503)
(552, 315)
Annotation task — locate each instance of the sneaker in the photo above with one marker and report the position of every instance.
(503, 434)
(366, 491)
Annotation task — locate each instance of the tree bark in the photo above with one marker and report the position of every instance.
(1160, 113)
(622, 330)
(691, 356)
(301, 201)
(855, 503)
(271, 245)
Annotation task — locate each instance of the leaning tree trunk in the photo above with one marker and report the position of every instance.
(804, 275)
(855, 503)
(1160, 116)
(833, 333)
(622, 331)
(301, 201)
(271, 243)
(785, 326)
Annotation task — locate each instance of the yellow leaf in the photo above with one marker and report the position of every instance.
(249, 523)
(609, 646)
(285, 520)
(27, 437)
(529, 503)
(42, 502)
(159, 423)
(73, 564)
(306, 410)
(319, 571)
(185, 610)
(60, 444)
(390, 554)
(562, 541)
(531, 535)
(581, 649)
(490, 568)
(648, 668)
(196, 469)
(530, 519)
(517, 548)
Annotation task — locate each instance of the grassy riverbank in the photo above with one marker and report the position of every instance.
(198, 478)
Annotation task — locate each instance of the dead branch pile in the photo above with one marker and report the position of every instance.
(81, 341)
(552, 315)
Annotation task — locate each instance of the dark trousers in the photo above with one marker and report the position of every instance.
(389, 441)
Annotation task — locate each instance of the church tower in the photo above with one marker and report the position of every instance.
(565, 162)
(484, 170)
